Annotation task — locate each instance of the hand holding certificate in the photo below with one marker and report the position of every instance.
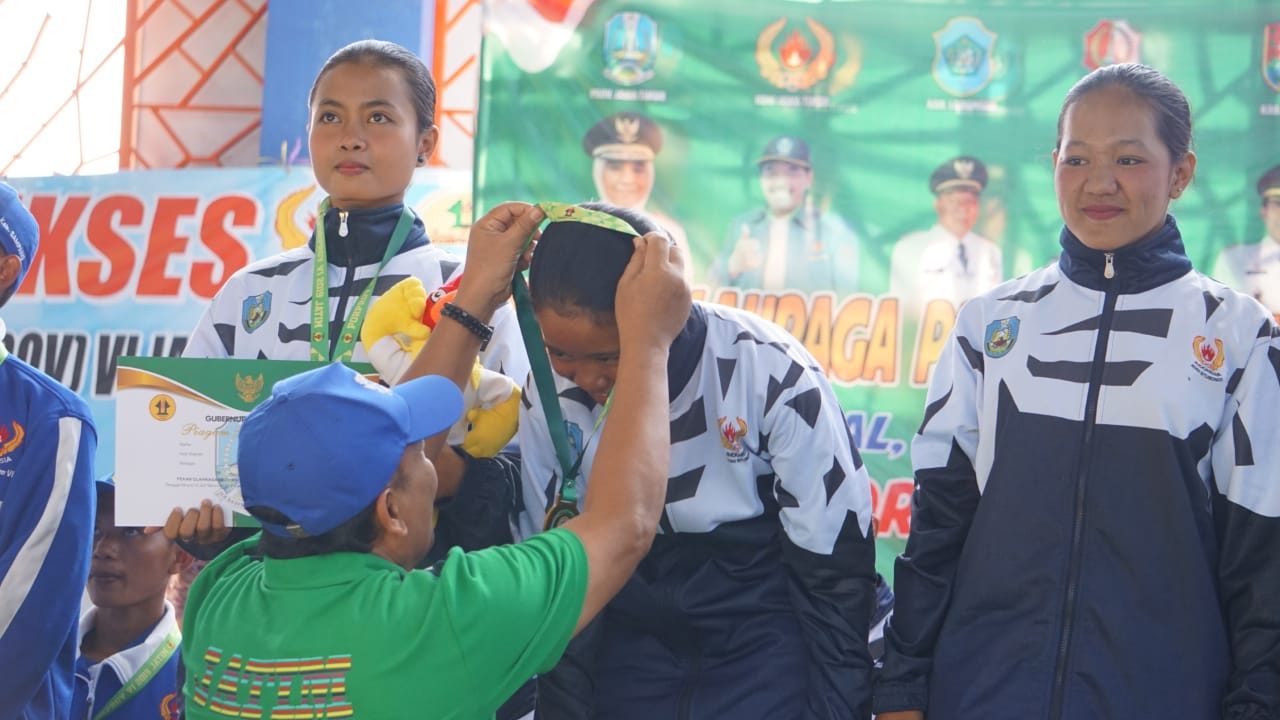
(178, 427)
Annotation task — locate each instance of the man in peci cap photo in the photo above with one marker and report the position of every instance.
(47, 443)
(1254, 268)
(949, 260)
(791, 243)
(323, 612)
(622, 148)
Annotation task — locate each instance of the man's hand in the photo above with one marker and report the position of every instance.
(653, 299)
(203, 526)
(901, 715)
(495, 253)
(747, 255)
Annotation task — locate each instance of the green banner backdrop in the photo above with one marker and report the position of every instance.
(884, 94)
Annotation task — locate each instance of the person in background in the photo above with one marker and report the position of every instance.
(622, 148)
(129, 639)
(1096, 511)
(1254, 268)
(949, 260)
(370, 125)
(791, 243)
(47, 444)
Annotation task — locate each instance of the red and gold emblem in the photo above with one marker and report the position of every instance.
(11, 437)
(797, 60)
(1208, 353)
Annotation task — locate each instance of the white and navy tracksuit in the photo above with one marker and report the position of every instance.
(264, 309)
(1096, 522)
(754, 600)
(47, 502)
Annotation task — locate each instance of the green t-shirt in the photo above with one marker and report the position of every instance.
(353, 635)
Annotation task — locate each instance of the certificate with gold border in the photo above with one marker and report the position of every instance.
(178, 428)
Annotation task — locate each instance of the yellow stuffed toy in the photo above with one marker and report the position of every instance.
(395, 330)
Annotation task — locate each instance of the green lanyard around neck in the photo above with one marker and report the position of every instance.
(345, 347)
(4, 354)
(566, 504)
(144, 674)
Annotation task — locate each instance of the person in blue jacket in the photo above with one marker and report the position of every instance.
(1097, 512)
(47, 442)
(130, 639)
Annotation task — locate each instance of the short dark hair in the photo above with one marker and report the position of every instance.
(384, 53)
(356, 535)
(576, 267)
(1166, 100)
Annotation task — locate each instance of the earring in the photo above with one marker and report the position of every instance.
(422, 158)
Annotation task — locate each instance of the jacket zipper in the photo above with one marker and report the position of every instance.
(347, 280)
(1082, 474)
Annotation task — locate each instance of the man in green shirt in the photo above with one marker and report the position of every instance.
(322, 615)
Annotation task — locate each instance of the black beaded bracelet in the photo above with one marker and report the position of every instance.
(470, 322)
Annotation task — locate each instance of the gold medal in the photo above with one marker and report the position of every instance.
(560, 513)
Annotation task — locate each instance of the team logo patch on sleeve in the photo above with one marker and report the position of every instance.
(1209, 357)
(1001, 335)
(11, 436)
(170, 707)
(731, 434)
(255, 311)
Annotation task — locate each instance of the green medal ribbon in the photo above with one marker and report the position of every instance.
(565, 507)
(144, 674)
(346, 344)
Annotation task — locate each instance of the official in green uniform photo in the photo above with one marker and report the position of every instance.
(791, 243)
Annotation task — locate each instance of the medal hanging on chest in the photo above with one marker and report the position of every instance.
(560, 513)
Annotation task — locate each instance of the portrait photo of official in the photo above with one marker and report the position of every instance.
(792, 242)
(1254, 268)
(948, 260)
(622, 148)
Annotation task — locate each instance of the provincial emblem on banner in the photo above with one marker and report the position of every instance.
(1001, 336)
(962, 57)
(255, 310)
(1271, 55)
(630, 48)
(1111, 42)
(796, 60)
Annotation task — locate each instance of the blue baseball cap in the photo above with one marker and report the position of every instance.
(19, 234)
(328, 441)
